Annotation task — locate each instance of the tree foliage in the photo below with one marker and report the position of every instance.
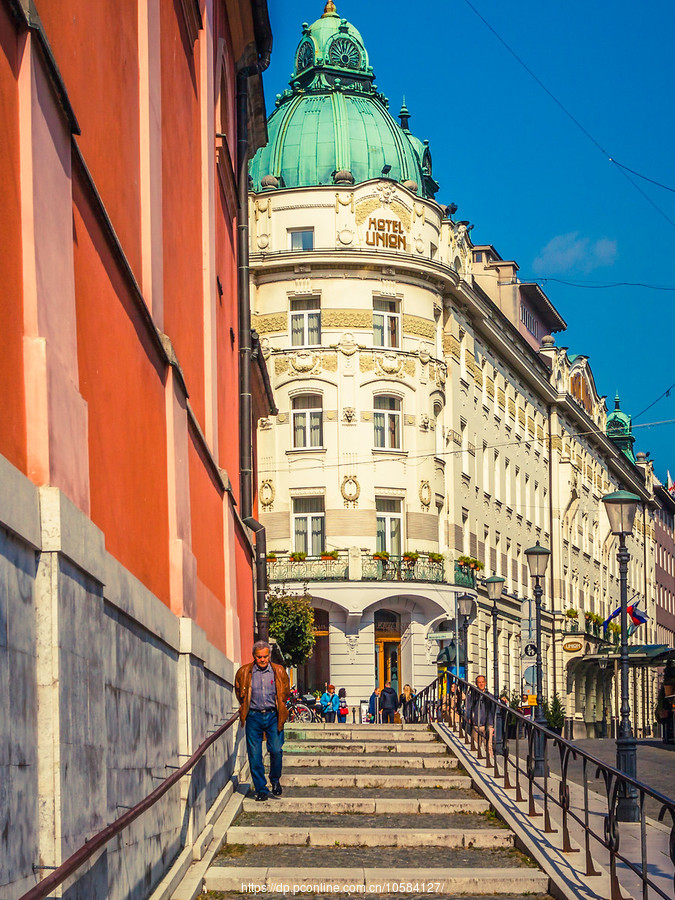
(292, 625)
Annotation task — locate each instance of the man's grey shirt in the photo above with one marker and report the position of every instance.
(263, 689)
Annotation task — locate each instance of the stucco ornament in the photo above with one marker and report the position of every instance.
(350, 490)
(352, 641)
(349, 415)
(304, 361)
(346, 236)
(424, 353)
(425, 493)
(388, 364)
(428, 649)
(265, 347)
(263, 241)
(419, 245)
(348, 345)
(265, 423)
(267, 494)
(424, 422)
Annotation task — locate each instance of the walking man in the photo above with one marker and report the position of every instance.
(262, 689)
(388, 703)
(478, 713)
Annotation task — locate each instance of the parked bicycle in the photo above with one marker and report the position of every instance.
(302, 708)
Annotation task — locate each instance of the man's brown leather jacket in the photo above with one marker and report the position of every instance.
(242, 688)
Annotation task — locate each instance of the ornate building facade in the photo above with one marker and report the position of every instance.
(426, 415)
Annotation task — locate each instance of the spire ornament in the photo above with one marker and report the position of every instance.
(330, 9)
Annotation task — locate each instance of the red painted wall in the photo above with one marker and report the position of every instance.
(122, 380)
(206, 504)
(13, 430)
(96, 49)
(182, 187)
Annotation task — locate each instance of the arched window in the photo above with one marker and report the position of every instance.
(387, 419)
(307, 421)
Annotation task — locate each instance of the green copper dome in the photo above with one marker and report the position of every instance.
(620, 430)
(332, 121)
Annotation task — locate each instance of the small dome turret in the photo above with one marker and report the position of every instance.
(620, 430)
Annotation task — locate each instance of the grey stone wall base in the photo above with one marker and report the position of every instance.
(566, 872)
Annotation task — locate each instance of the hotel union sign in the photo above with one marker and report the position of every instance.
(387, 233)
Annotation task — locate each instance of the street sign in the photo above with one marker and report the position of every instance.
(441, 635)
(530, 650)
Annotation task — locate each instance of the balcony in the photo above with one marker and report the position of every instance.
(359, 565)
(590, 629)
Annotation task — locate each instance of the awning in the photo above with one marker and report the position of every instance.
(639, 656)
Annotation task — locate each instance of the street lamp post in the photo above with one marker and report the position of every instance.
(537, 561)
(465, 608)
(621, 507)
(494, 586)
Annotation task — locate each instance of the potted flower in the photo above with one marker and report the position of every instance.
(435, 557)
(297, 556)
(329, 554)
(271, 556)
(572, 616)
(411, 556)
(382, 555)
(554, 713)
(470, 562)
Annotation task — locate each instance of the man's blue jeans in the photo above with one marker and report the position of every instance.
(257, 724)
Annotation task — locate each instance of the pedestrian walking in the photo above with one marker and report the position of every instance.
(374, 706)
(343, 708)
(388, 703)
(330, 703)
(478, 713)
(406, 703)
(262, 689)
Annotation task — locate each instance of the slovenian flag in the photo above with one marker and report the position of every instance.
(636, 616)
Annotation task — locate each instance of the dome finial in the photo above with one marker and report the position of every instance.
(330, 9)
(404, 115)
(617, 402)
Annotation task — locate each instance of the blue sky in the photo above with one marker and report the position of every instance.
(532, 183)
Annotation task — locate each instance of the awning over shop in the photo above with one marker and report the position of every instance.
(639, 656)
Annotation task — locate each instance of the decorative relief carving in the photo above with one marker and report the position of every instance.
(418, 326)
(340, 200)
(280, 365)
(351, 491)
(303, 286)
(267, 494)
(349, 415)
(521, 418)
(366, 363)
(265, 423)
(282, 418)
(347, 345)
(366, 416)
(388, 288)
(402, 212)
(512, 408)
(409, 419)
(263, 241)
(329, 415)
(424, 422)
(425, 494)
(409, 366)
(428, 649)
(265, 347)
(347, 318)
(419, 212)
(501, 398)
(346, 236)
(352, 641)
(268, 324)
(419, 245)
(330, 361)
(304, 362)
(364, 208)
(424, 353)
(490, 387)
(262, 206)
(451, 345)
(388, 364)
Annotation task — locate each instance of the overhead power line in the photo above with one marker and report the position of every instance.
(624, 170)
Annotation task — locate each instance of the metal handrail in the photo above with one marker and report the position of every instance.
(74, 862)
(445, 699)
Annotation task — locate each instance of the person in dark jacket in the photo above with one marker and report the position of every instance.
(388, 703)
(374, 706)
(478, 712)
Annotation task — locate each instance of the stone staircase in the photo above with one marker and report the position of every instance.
(371, 809)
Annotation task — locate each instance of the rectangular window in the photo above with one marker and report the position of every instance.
(309, 525)
(307, 421)
(306, 322)
(386, 323)
(387, 419)
(389, 525)
(529, 320)
(478, 256)
(301, 238)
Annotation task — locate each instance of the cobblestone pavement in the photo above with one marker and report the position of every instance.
(369, 820)
(368, 857)
(427, 793)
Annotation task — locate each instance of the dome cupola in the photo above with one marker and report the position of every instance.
(620, 430)
(332, 119)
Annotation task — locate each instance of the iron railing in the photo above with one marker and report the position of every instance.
(99, 840)
(493, 729)
(282, 567)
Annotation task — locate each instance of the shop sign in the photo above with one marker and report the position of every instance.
(441, 635)
(572, 646)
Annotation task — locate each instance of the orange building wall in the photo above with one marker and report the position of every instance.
(96, 49)
(181, 202)
(122, 380)
(245, 596)
(206, 502)
(13, 430)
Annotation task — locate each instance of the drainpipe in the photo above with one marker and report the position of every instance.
(264, 42)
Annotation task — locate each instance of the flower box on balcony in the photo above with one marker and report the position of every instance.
(435, 557)
(298, 556)
(382, 555)
(331, 554)
(470, 562)
(411, 556)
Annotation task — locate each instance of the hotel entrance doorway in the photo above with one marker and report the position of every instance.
(387, 648)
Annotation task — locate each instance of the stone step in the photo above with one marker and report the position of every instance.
(409, 791)
(351, 746)
(276, 836)
(332, 726)
(366, 733)
(302, 760)
(323, 780)
(373, 806)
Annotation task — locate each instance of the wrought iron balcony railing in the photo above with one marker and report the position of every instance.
(368, 567)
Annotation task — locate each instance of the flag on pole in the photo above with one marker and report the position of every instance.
(670, 484)
(635, 615)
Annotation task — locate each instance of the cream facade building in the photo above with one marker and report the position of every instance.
(424, 408)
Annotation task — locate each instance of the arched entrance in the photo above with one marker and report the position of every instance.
(315, 674)
(387, 648)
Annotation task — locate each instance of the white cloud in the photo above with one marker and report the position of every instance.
(570, 251)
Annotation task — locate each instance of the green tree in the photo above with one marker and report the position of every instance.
(291, 625)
